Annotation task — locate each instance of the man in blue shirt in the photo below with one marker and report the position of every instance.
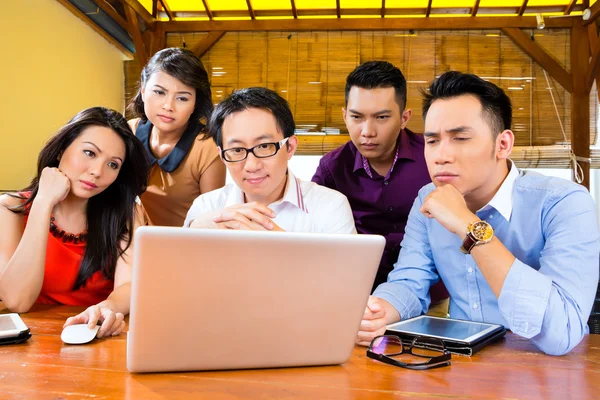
(512, 247)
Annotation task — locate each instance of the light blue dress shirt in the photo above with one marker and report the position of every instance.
(552, 231)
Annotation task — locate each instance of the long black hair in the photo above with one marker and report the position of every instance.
(183, 65)
(110, 214)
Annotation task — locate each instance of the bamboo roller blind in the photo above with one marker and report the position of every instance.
(310, 68)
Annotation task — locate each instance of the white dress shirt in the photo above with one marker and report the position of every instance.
(304, 207)
(503, 199)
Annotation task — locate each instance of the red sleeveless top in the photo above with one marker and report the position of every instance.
(60, 272)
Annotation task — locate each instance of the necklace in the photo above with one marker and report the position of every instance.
(67, 237)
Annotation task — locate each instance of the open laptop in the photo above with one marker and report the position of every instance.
(214, 300)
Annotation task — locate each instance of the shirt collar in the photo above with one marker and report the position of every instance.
(503, 199)
(172, 161)
(292, 194)
(403, 150)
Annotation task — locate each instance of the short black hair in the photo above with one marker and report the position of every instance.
(378, 74)
(252, 97)
(495, 104)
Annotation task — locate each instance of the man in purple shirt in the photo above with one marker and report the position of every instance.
(382, 167)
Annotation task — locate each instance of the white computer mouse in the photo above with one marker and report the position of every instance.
(78, 334)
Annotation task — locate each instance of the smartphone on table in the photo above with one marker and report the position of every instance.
(12, 329)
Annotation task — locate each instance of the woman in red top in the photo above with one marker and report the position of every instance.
(66, 238)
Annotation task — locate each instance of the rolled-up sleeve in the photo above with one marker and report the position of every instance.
(198, 207)
(551, 305)
(407, 287)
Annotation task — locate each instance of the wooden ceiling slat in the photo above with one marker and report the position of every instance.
(294, 11)
(475, 8)
(154, 8)
(428, 10)
(382, 8)
(166, 9)
(141, 11)
(250, 9)
(207, 9)
(337, 8)
(523, 7)
(365, 24)
(570, 7)
(107, 8)
(308, 13)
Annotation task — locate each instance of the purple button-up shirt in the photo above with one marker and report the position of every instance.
(380, 204)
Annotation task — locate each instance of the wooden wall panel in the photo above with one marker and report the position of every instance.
(310, 68)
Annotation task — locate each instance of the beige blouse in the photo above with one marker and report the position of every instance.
(174, 181)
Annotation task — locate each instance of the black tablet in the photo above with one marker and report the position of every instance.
(13, 329)
(449, 330)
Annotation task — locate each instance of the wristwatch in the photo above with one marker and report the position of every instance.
(479, 232)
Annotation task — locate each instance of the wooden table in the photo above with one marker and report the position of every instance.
(45, 368)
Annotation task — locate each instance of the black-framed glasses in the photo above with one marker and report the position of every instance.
(263, 150)
(388, 348)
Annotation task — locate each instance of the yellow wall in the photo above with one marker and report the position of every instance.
(52, 65)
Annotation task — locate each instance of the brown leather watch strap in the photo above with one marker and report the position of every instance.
(468, 243)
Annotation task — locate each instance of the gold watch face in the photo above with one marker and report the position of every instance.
(482, 231)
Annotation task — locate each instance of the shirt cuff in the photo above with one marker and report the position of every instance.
(524, 298)
(401, 298)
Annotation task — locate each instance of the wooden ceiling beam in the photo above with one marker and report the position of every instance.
(154, 8)
(428, 9)
(539, 55)
(167, 9)
(207, 42)
(382, 8)
(594, 51)
(158, 40)
(527, 22)
(594, 44)
(136, 35)
(592, 70)
(475, 8)
(595, 9)
(580, 100)
(522, 8)
(77, 12)
(338, 9)
(141, 11)
(593, 37)
(250, 9)
(207, 9)
(294, 11)
(108, 9)
(570, 7)
(405, 12)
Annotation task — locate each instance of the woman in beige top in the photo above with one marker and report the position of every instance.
(173, 97)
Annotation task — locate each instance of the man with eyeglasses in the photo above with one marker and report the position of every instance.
(254, 131)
